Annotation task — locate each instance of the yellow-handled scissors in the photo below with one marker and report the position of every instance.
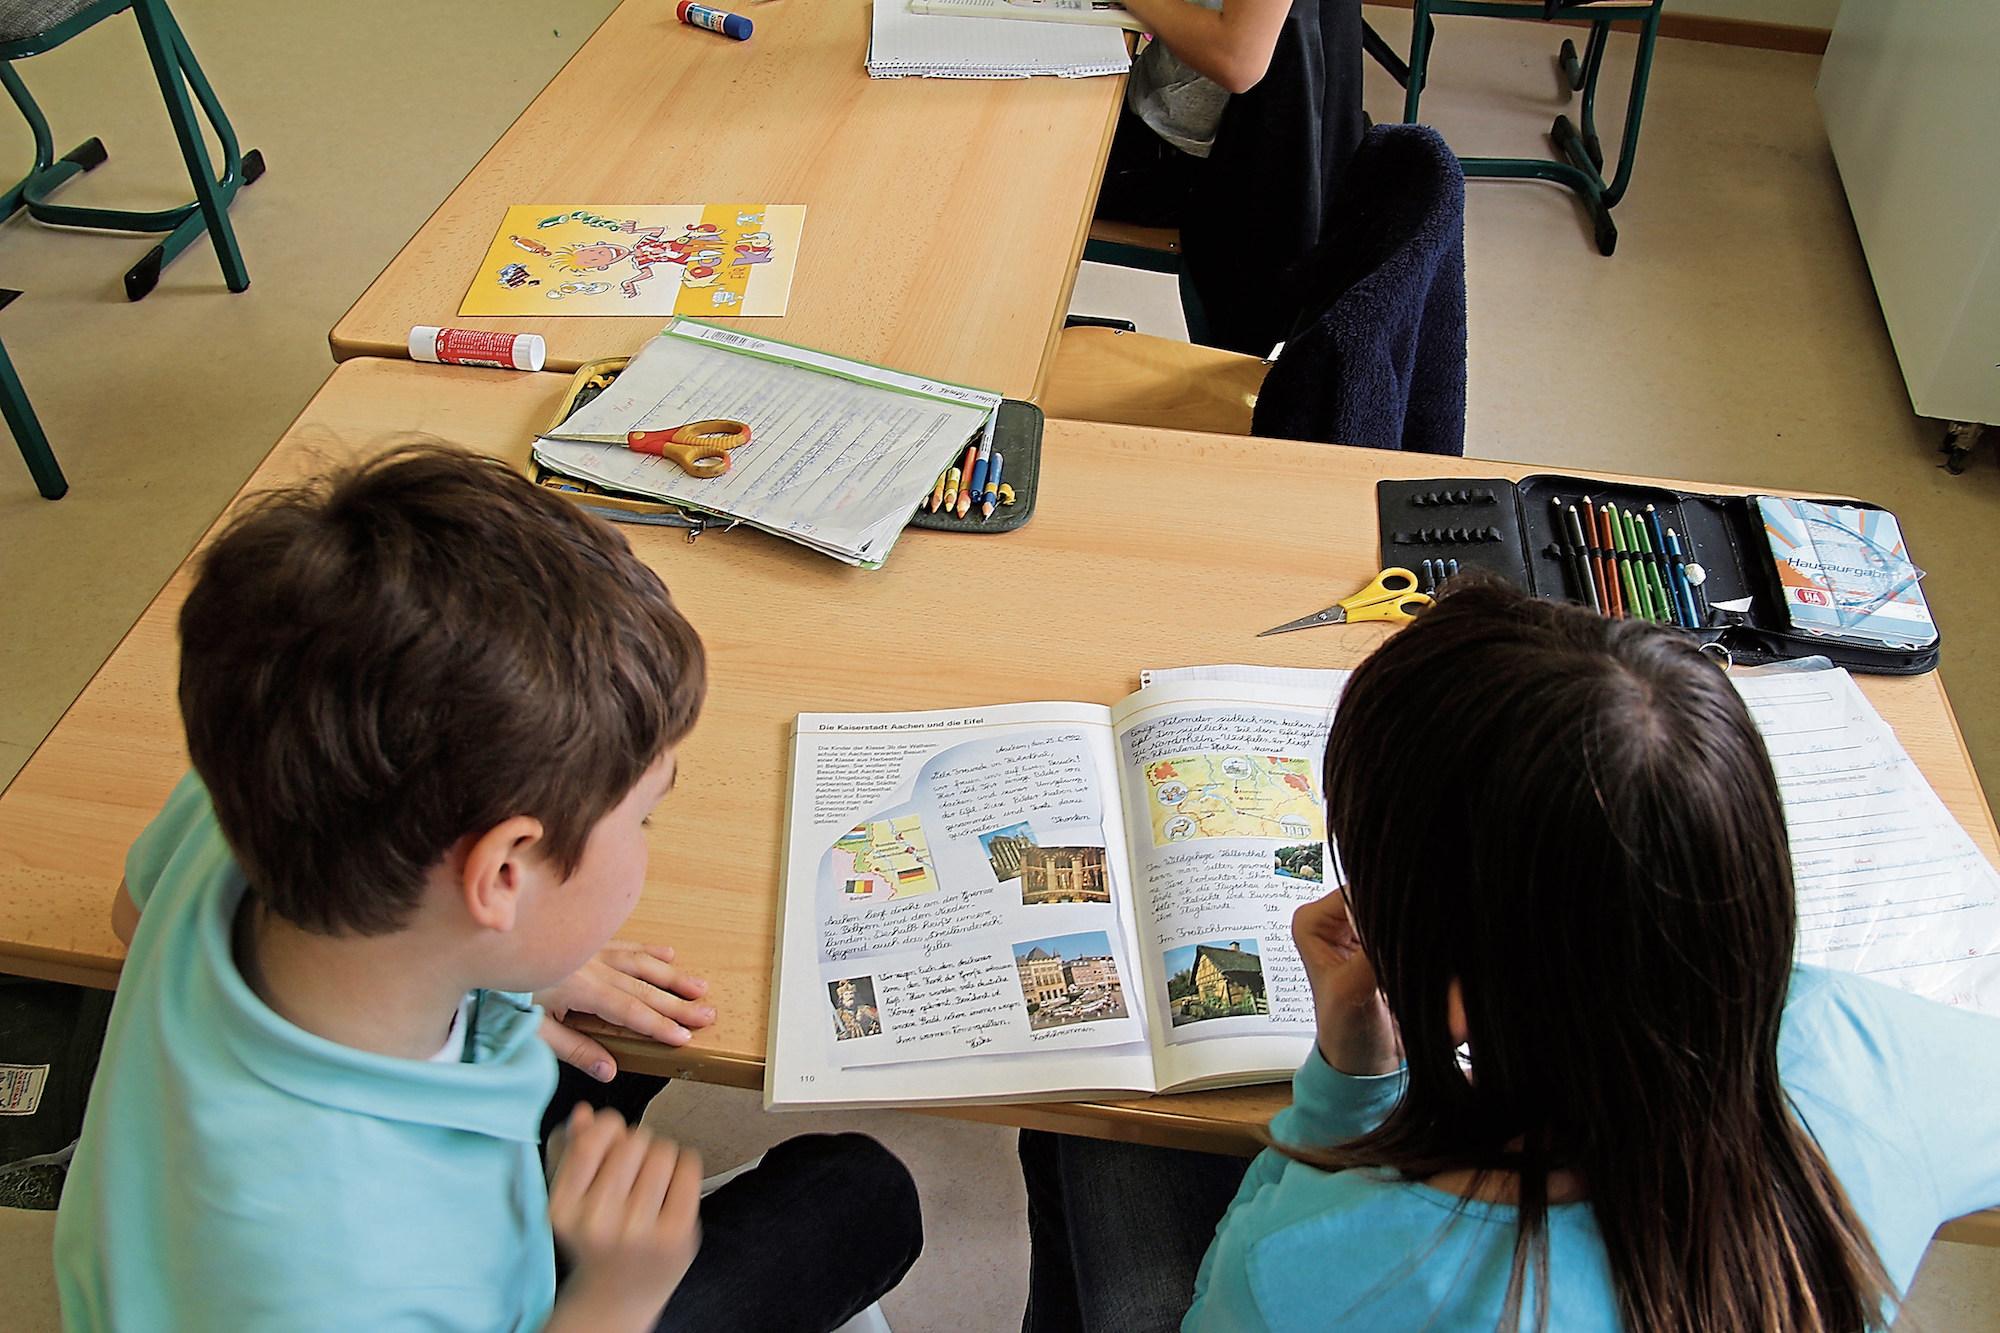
(1392, 595)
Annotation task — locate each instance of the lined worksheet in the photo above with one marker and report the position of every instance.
(1889, 885)
(840, 452)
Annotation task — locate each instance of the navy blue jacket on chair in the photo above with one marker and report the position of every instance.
(1378, 356)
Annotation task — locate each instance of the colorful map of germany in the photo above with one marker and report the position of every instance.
(1233, 796)
(884, 858)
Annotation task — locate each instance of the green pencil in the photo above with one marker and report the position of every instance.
(1620, 544)
(1672, 614)
(1640, 574)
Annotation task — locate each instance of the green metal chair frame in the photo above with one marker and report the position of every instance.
(27, 427)
(1581, 162)
(175, 68)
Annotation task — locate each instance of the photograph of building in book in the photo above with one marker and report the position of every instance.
(1220, 980)
(1069, 979)
(1306, 860)
(1063, 875)
(854, 1012)
(1005, 847)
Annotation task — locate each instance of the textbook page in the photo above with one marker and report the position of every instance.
(955, 923)
(1889, 885)
(1227, 827)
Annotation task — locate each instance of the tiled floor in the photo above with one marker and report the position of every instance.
(1734, 338)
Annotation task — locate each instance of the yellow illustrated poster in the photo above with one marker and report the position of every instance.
(639, 259)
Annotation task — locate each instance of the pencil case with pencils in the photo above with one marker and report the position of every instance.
(1769, 578)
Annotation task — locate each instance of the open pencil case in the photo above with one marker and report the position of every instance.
(1017, 434)
(1511, 529)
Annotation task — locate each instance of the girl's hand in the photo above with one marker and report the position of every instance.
(1356, 1034)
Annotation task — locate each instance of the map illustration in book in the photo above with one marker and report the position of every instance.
(1074, 938)
(639, 259)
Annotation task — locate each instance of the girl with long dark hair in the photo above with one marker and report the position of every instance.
(1568, 1075)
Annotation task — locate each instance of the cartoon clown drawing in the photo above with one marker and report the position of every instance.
(646, 250)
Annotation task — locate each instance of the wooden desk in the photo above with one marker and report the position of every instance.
(1110, 596)
(944, 217)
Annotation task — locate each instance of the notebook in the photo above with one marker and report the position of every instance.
(840, 452)
(903, 44)
(1103, 13)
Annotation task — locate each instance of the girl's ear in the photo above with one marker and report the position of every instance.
(1454, 1014)
(495, 867)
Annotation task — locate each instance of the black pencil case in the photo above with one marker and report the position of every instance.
(1509, 528)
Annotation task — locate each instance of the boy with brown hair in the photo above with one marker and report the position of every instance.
(429, 706)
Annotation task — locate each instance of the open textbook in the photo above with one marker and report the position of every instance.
(1063, 900)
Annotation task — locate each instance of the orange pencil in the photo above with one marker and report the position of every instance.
(937, 491)
(965, 481)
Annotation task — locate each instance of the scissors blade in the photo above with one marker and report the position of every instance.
(1333, 615)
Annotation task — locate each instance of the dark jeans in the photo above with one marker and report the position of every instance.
(1146, 179)
(811, 1237)
(1117, 1231)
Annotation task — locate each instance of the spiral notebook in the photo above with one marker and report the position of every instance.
(903, 44)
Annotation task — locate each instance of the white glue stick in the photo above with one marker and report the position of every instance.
(476, 347)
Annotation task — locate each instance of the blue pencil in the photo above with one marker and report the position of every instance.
(980, 464)
(991, 495)
(1681, 583)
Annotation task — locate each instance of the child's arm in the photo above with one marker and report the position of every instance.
(1231, 45)
(625, 1207)
(633, 985)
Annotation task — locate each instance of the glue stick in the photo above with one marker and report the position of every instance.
(715, 20)
(477, 347)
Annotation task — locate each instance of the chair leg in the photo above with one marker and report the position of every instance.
(1628, 148)
(28, 434)
(83, 157)
(1422, 30)
(175, 68)
(1593, 65)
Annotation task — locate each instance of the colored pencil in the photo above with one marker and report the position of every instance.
(965, 481)
(1681, 578)
(1607, 584)
(1654, 534)
(1580, 559)
(951, 489)
(1656, 578)
(1609, 558)
(983, 461)
(937, 491)
(991, 495)
(1621, 555)
(1653, 610)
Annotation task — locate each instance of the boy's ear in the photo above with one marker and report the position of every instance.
(494, 870)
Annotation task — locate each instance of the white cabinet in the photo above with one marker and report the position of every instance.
(1910, 90)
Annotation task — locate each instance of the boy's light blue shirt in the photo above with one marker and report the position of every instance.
(1903, 1096)
(237, 1172)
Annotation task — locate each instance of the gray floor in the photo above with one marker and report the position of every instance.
(1734, 337)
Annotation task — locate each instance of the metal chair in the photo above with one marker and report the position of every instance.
(31, 27)
(27, 427)
(1580, 165)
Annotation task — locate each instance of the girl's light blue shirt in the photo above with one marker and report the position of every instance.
(1903, 1096)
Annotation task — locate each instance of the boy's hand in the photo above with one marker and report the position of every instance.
(633, 985)
(1356, 1034)
(625, 1207)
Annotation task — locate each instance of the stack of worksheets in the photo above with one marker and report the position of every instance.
(840, 452)
(955, 46)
